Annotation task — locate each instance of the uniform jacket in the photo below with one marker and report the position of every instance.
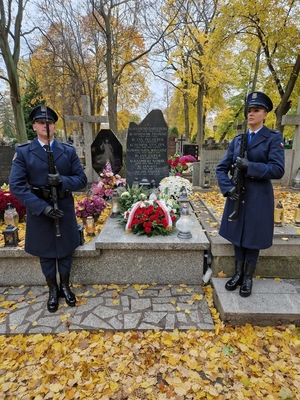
(255, 224)
(30, 167)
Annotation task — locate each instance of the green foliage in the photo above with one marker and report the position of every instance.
(131, 196)
(173, 131)
(31, 98)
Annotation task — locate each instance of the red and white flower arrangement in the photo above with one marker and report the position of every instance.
(151, 217)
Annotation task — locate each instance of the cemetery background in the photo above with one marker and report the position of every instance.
(181, 367)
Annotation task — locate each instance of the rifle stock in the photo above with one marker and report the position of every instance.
(238, 178)
(51, 169)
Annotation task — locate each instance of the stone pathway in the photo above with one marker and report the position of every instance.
(23, 310)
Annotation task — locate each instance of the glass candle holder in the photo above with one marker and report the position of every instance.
(90, 226)
(11, 217)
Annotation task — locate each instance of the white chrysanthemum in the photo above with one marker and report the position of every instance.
(174, 185)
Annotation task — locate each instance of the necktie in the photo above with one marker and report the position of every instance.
(252, 134)
(46, 147)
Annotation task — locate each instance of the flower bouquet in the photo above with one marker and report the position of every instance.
(172, 185)
(90, 206)
(176, 165)
(108, 182)
(151, 217)
(131, 196)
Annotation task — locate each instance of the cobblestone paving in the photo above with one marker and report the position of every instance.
(23, 310)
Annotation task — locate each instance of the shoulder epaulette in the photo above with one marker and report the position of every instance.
(274, 131)
(67, 144)
(23, 144)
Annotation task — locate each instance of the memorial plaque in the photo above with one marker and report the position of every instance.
(147, 149)
(6, 156)
(106, 147)
(191, 149)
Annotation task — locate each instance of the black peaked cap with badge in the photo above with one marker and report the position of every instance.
(41, 113)
(259, 99)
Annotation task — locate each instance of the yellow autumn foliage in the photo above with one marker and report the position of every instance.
(245, 362)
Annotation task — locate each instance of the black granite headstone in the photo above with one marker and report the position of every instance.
(191, 149)
(106, 147)
(6, 156)
(147, 149)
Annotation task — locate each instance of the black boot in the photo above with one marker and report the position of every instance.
(237, 278)
(52, 303)
(246, 288)
(65, 290)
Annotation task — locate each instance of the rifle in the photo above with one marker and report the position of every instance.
(238, 177)
(51, 168)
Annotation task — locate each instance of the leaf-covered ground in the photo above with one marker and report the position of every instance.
(290, 200)
(244, 362)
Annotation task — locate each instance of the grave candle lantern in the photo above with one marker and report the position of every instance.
(206, 178)
(184, 224)
(11, 238)
(278, 214)
(297, 215)
(183, 200)
(90, 226)
(115, 204)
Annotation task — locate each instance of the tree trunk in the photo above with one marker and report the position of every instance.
(285, 104)
(11, 61)
(200, 128)
(186, 116)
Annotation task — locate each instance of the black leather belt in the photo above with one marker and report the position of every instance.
(45, 193)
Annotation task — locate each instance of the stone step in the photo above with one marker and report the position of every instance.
(23, 310)
(272, 302)
(281, 260)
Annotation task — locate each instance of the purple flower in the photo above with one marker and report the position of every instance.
(90, 206)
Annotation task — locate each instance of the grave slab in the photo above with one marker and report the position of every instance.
(272, 302)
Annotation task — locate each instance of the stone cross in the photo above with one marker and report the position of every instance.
(87, 120)
(180, 141)
(294, 120)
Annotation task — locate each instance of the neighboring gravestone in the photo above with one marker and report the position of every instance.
(106, 147)
(6, 156)
(191, 149)
(147, 149)
(180, 141)
(210, 159)
(172, 144)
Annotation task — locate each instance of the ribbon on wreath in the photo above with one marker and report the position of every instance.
(139, 204)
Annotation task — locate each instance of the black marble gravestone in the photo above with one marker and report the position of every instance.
(147, 149)
(6, 156)
(191, 149)
(106, 147)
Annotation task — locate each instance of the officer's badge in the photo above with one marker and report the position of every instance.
(254, 95)
(281, 145)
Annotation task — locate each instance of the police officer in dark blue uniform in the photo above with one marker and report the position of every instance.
(31, 182)
(253, 230)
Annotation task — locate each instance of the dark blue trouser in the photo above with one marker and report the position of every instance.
(248, 255)
(49, 266)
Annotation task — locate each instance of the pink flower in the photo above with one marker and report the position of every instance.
(187, 158)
